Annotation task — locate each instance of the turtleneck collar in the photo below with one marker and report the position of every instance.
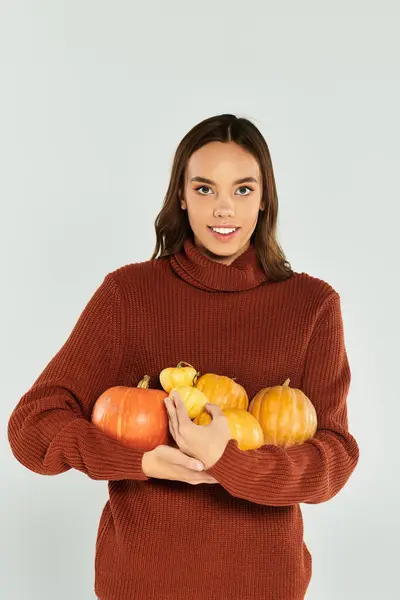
(244, 273)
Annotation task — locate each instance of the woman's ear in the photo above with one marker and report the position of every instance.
(182, 201)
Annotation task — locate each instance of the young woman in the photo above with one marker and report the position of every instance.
(201, 520)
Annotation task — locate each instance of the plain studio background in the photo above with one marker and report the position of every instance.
(94, 98)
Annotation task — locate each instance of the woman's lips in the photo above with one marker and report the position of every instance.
(224, 236)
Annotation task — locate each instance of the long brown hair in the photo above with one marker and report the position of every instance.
(172, 224)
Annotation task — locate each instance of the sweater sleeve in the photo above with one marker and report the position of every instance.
(315, 471)
(49, 430)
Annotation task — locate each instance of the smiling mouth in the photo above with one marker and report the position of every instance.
(224, 230)
(223, 233)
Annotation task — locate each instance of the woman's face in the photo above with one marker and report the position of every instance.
(215, 199)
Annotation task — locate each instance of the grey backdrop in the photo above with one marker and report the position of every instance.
(94, 98)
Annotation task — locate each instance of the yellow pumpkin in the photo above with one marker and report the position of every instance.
(177, 376)
(286, 415)
(223, 391)
(193, 399)
(243, 427)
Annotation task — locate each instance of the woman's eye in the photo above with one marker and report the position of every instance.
(246, 187)
(202, 188)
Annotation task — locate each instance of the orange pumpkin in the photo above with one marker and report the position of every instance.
(243, 427)
(286, 415)
(223, 391)
(137, 417)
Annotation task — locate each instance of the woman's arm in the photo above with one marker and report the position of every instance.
(49, 430)
(316, 470)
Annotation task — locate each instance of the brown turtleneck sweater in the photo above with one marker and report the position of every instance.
(161, 540)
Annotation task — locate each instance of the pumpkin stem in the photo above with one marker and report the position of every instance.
(195, 378)
(144, 383)
(183, 362)
(286, 384)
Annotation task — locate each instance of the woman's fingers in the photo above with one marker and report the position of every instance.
(193, 477)
(177, 457)
(172, 463)
(172, 418)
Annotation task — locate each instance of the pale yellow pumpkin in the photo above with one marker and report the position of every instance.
(193, 399)
(177, 376)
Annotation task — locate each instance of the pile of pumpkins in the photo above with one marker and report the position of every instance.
(137, 416)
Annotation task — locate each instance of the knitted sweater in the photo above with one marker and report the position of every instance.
(241, 538)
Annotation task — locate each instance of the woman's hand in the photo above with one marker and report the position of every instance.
(204, 442)
(166, 462)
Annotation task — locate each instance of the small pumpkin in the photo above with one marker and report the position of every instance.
(222, 391)
(242, 425)
(177, 376)
(193, 399)
(136, 416)
(286, 415)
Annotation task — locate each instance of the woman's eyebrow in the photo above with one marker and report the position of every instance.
(210, 181)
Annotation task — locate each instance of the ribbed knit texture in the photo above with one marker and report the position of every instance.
(240, 539)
